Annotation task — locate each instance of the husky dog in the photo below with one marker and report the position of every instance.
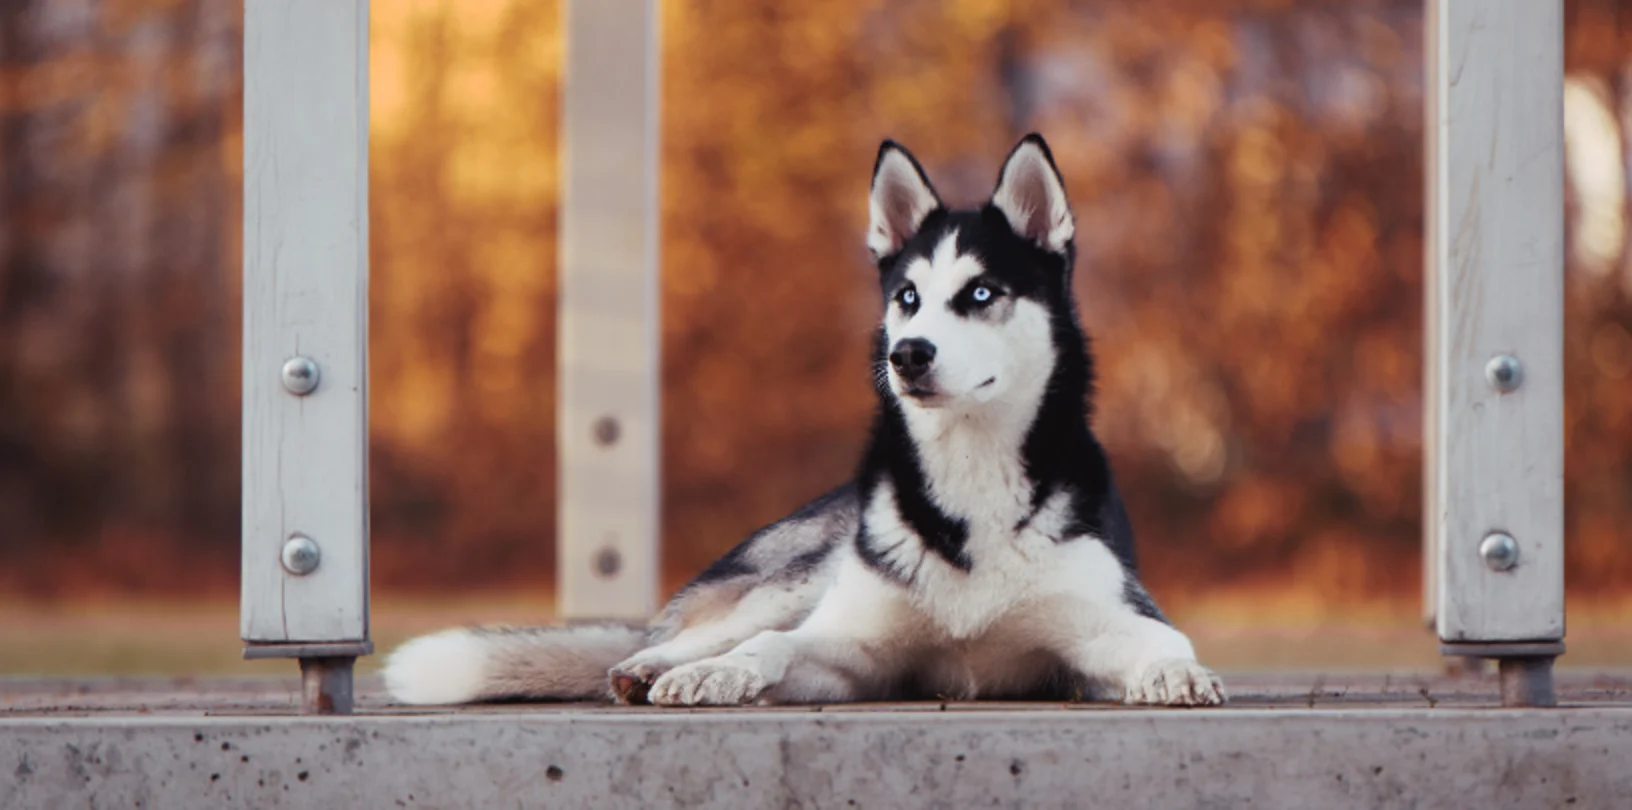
(982, 550)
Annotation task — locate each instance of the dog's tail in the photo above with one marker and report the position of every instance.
(467, 665)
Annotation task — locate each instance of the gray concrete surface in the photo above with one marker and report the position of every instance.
(749, 759)
(1406, 740)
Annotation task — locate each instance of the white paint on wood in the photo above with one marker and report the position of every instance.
(305, 459)
(609, 328)
(1495, 275)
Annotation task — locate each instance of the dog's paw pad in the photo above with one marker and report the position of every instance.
(1176, 682)
(629, 688)
(712, 682)
(632, 680)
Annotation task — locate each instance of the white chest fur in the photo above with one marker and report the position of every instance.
(1011, 569)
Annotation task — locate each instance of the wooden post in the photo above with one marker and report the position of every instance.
(1495, 515)
(305, 391)
(607, 550)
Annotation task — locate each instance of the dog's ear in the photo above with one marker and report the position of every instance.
(1031, 194)
(901, 199)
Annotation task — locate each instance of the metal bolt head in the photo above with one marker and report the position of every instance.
(607, 431)
(301, 555)
(300, 376)
(607, 562)
(1500, 550)
(1504, 373)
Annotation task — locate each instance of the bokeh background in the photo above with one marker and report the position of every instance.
(1248, 183)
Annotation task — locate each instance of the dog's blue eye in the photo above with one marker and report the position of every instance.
(982, 294)
(909, 297)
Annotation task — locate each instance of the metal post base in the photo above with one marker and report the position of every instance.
(325, 685)
(1528, 682)
(1525, 667)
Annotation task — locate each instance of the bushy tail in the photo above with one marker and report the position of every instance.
(466, 665)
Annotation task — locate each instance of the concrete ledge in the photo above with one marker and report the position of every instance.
(1100, 758)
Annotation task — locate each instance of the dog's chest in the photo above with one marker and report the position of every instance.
(976, 475)
(1007, 569)
(1011, 546)
(1001, 623)
(1016, 566)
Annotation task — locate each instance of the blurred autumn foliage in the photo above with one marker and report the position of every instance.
(1247, 176)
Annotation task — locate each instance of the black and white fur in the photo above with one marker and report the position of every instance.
(982, 550)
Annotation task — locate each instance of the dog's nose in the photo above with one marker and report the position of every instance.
(911, 358)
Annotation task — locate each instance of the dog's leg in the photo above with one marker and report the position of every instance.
(632, 678)
(796, 666)
(766, 607)
(853, 646)
(1149, 660)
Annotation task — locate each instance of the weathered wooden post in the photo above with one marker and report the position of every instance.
(1495, 320)
(608, 440)
(305, 392)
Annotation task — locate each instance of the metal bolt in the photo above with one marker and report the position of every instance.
(301, 555)
(606, 431)
(1504, 373)
(607, 562)
(300, 376)
(1500, 550)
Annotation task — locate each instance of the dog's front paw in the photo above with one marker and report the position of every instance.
(1176, 682)
(710, 682)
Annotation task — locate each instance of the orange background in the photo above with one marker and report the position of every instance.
(1247, 177)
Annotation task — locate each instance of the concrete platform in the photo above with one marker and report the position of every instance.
(1285, 741)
